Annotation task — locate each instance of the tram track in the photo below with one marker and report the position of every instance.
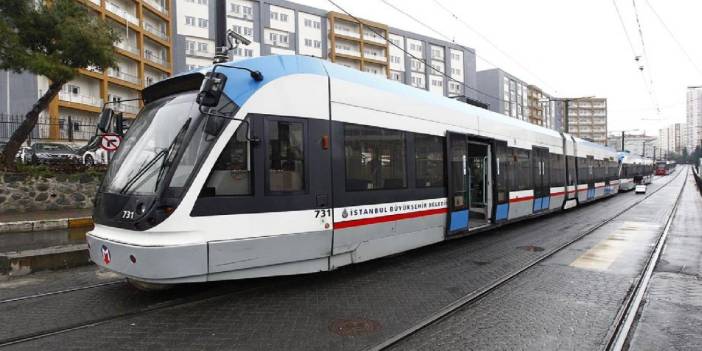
(227, 290)
(630, 306)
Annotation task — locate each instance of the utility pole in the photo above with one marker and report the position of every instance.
(220, 29)
(566, 120)
(622, 141)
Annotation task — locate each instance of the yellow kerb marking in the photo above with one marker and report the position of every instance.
(601, 256)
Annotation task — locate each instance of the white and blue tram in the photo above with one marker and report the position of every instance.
(634, 170)
(302, 165)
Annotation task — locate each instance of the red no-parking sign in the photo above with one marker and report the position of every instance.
(110, 142)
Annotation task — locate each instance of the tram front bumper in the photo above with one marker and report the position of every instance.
(158, 264)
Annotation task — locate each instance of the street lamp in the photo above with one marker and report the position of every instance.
(566, 101)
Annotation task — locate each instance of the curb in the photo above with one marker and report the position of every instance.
(58, 257)
(49, 224)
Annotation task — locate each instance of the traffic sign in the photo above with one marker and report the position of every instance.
(110, 142)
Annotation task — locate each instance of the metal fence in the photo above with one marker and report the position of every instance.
(66, 129)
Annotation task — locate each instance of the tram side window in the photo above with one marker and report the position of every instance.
(429, 161)
(557, 170)
(521, 177)
(286, 156)
(374, 157)
(503, 159)
(231, 174)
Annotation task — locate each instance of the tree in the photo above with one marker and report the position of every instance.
(685, 156)
(53, 39)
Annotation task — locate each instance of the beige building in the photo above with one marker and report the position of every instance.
(144, 57)
(636, 144)
(587, 119)
(673, 139)
(541, 107)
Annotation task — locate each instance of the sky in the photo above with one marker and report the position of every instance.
(570, 48)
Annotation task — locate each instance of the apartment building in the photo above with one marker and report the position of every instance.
(504, 93)
(587, 119)
(283, 27)
(693, 127)
(541, 107)
(673, 139)
(144, 57)
(637, 144)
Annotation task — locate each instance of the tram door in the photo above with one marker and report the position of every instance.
(458, 183)
(540, 170)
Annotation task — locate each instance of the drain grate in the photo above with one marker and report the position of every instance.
(531, 248)
(354, 327)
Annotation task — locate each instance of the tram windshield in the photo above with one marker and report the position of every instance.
(148, 152)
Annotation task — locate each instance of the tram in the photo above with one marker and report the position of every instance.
(665, 167)
(282, 165)
(634, 170)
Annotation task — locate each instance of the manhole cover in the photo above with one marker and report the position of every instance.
(354, 327)
(531, 248)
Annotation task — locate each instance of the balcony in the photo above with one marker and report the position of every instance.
(157, 6)
(127, 47)
(114, 8)
(123, 76)
(155, 59)
(156, 31)
(372, 37)
(192, 52)
(96, 2)
(126, 108)
(80, 99)
(346, 31)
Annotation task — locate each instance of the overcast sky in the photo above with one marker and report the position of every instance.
(570, 47)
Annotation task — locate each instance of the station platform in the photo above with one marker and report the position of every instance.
(567, 301)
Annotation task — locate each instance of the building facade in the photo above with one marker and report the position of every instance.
(637, 144)
(541, 107)
(673, 139)
(693, 127)
(278, 27)
(144, 57)
(587, 119)
(504, 93)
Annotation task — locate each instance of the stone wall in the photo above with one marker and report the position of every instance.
(24, 193)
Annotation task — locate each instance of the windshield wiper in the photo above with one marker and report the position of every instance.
(161, 154)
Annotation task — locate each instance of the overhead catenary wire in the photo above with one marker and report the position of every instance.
(635, 55)
(675, 39)
(646, 57)
(486, 39)
(413, 56)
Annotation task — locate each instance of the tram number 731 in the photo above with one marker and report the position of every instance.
(325, 212)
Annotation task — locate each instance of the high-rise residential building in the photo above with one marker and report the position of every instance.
(504, 93)
(144, 57)
(587, 119)
(636, 144)
(541, 107)
(694, 118)
(673, 139)
(286, 28)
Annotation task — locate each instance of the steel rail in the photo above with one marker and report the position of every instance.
(478, 294)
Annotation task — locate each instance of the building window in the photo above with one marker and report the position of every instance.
(374, 158)
(202, 2)
(286, 156)
(283, 17)
(274, 15)
(308, 22)
(308, 42)
(248, 31)
(395, 59)
(248, 11)
(397, 76)
(189, 20)
(202, 23)
(429, 160)
(72, 89)
(317, 25)
(234, 8)
(202, 47)
(317, 44)
(456, 71)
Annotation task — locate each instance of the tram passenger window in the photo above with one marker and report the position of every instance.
(521, 178)
(286, 156)
(557, 170)
(231, 174)
(429, 151)
(504, 167)
(374, 157)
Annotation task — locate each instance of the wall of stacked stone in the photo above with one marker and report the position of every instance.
(24, 192)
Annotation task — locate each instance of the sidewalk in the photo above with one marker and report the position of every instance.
(671, 318)
(45, 220)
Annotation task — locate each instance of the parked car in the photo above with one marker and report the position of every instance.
(24, 155)
(91, 153)
(52, 153)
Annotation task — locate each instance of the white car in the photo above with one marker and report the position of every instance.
(640, 189)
